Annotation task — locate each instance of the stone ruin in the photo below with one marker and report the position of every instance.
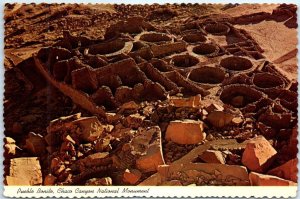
(165, 108)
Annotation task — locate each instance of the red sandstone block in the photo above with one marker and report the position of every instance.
(258, 154)
(257, 179)
(287, 171)
(185, 132)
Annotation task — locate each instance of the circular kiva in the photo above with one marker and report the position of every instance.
(267, 80)
(217, 29)
(111, 48)
(194, 37)
(236, 64)
(289, 99)
(184, 61)
(206, 49)
(207, 75)
(239, 95)
(154, 37)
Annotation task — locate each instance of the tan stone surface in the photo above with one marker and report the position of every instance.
(287, 171)
(194, 101)
(147, 145)
(219, 118)
(27, 170)
(212, 156)
(172, 183)
(258, 154)
(10, 146)
(49, 180)
(91, 128)
(184, 163)
(185, 132)
(132, 176)
(257, 179)
(16, 181)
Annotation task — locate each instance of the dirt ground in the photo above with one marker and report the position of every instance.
(174, 94)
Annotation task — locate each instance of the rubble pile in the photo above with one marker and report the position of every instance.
(200, 105)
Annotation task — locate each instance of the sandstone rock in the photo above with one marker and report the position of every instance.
(219, 119)
(223, 172)
(105, 181)
(49, 180)
(193, 174)
(131, 105)
(249, 126)
(27, 170)
(237, 121)
(214, 107)
(258, 154)
(103, 145)
(163, 49)
(211, 156)
(185, 132)
(134, 120)
(204, 112)
(151, 160)
(36, 144)
(16, 181)
(275, 120)
(55, 163)
(148, 149)
(51, 139)
(62, 122)
(91, 128)
(287, 171)
(126, 147)
(108, 128)
(121, 132)
(257, 179)
(194, 101)
(163, 170)
(94, 158)
(113, 118)
(210, 137)
(58, 130)
(131, 176)
(172, 183)
(208, 171)
(84, 79)
(248, 120)
(9, 140)
(79, 154)
(10, 146)
(60, 169)
(148, 110)
(68, 138)
(99, 182)
(68, 147)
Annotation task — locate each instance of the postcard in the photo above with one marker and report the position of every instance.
(150, 100)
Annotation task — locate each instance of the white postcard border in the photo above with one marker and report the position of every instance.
(149, 191)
